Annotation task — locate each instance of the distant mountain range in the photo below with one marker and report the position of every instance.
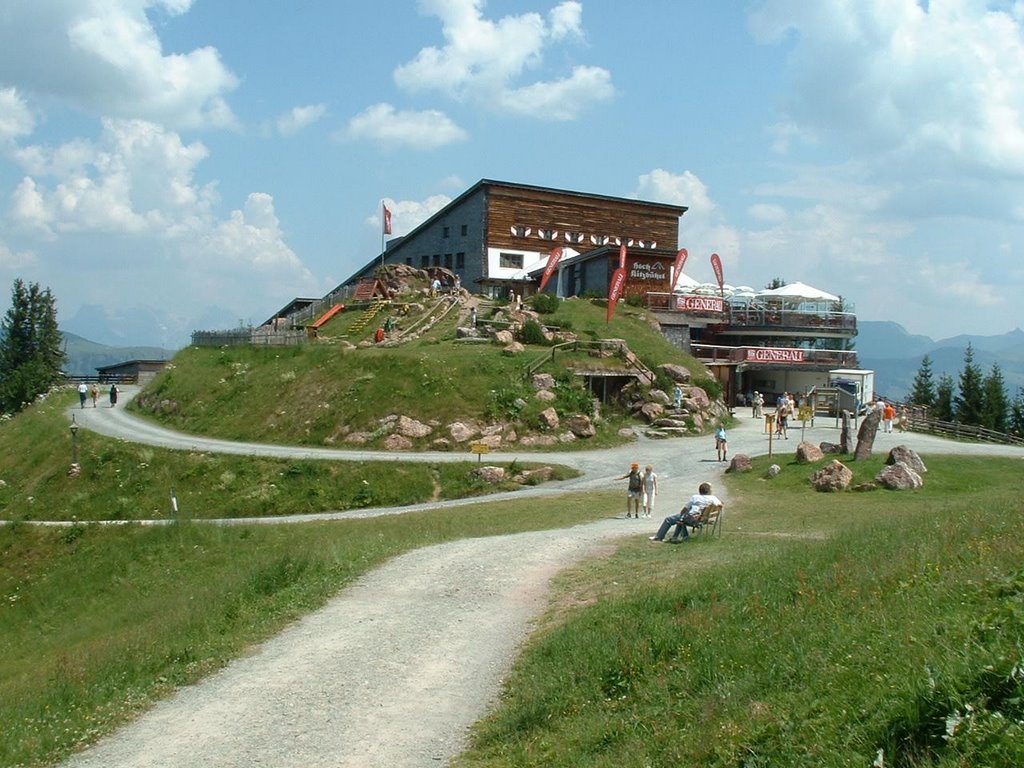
(84, 356)
(141, 326)
(895, 356)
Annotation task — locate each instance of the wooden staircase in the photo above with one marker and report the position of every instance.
(368, 314)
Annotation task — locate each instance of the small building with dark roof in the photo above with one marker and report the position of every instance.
(134, 371)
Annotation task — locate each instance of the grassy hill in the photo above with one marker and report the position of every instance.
(317, 393)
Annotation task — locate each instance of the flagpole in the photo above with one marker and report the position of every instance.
(382, 226)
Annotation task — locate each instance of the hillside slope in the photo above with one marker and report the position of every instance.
(324, 393)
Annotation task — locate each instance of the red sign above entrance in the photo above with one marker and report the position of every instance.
(774, 355)
(699, 304)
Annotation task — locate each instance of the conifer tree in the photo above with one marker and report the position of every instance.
(971, 397)
(31, 355)
(1017, 414)
(943, 409)
(923, 390)
(995, 404)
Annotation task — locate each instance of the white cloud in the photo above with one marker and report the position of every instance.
(14, 261)
(929, 87)
(484, 61)
(299, 118)
(703, 229)
(406, 215)
(15, 117)
(383, 124)
(104, 57)
(136, 178)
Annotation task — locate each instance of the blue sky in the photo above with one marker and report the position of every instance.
(199, 162)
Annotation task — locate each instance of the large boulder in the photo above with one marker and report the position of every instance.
(866, 436)
(808, 453)
(504, 337)
(830, 448)
(677, 373)
(740, 463)
(412, 428)
(908, 456)
(549, 418)
(461, 432)
(899, 477)
(543, 381)
(581, 425)
(396, 442)
(659, 396)
(834, 477)
(513, 349)
(652, 411)
(490, 475)
(545, 395)
(695, 397)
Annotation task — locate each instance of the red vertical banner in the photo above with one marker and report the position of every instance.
(622, 257)
(615, 291)
(677, 270)
(716, 264)
(386, 219)
(553, 258)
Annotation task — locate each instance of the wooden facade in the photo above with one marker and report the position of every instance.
(544, 218)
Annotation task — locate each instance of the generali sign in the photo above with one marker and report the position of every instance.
(699, 304)
(774, 355)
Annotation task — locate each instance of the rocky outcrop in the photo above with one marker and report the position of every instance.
(461, 432)
(580, 425)
(677, 373)
(549, 418)
(411, 428)
(543, 381)
(834, 477)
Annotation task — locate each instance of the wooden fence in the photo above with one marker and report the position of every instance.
(248, 336)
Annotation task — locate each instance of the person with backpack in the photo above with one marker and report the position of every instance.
(634, 490)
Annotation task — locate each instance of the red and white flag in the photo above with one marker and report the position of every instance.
(386, 219)
(615, 291)
(678, 269)
(622, 256)
(553, 258)
(716, 264)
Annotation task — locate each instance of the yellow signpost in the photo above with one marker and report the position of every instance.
(479, 449)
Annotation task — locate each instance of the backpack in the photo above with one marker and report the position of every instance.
(635, 482)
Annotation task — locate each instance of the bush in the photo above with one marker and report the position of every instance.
(545, 303)
(636, 299)
(532, 332)
(571, 397)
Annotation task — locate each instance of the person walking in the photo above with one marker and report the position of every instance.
(83, 392)
(113, 395)
(634, 489)
(650, 489)
(95, 392)
(721, 443)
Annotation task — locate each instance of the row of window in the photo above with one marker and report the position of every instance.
(436, 261)
(463, 230)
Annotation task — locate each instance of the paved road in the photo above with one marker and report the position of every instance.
(394, 670)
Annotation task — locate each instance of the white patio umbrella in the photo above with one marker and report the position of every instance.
(799, 290)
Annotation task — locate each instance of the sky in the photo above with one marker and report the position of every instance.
(167, 165)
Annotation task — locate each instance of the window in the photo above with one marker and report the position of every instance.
(437, 259)
(547, 234)
(408, 261)
(447, 261)
(424, 261)
(574, 237)
(510, 260)
(465, 230)
(460, 260)
(445, 232)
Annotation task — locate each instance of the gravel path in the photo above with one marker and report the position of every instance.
(395, 669)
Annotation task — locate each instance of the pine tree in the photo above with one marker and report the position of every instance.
(971, 398)
(995, 404)
(923, 390)
(31, 356)
(943, 409)
(1017, 414)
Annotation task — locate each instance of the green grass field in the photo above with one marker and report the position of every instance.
(819, 630)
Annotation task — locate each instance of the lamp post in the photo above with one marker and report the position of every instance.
(74, 440)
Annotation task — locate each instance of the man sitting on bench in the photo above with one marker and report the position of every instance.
(690, 515)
